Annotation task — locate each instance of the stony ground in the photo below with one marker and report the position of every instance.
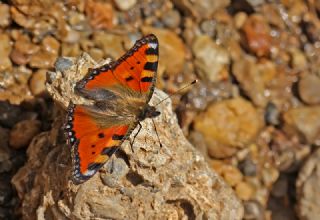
(254, 114)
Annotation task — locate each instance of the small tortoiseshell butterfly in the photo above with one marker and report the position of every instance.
(120, 91)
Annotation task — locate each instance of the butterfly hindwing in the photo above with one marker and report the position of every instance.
(92, 145)
(120, 90)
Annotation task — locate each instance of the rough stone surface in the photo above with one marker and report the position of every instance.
(22, 133)
(309, 89)
(228, 126)
(304, 121)
(210, 59)
(168, 182)
(203, 9)
(308, 191)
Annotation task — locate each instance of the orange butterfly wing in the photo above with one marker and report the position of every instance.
(93, 142)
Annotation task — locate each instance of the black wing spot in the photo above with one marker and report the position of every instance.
(129, 78)
(132, 68)
(93, 145)
(146, 79)
(109, 150)
(117, 137)
(101, 135)
(138, 62)
(93, 152)
(151, 51)
(151, 66)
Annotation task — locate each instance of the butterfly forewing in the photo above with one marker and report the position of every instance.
(120, 91)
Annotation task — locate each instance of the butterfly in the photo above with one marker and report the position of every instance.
(120, 92)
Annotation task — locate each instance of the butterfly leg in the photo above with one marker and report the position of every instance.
(155, 128)
(134, 137)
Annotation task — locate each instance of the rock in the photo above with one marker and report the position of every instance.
(272, 114)
(37, 82)
(172, 51)
(5, 19)
(5, 49)
(298, 60)
(303, 121)
(23, 132)
(244, 191)
(239, 19)
(46, 57)
(254, 77)
(23, 50)
(50, 45)
(211, 60)
(149, 185)
(309, 89)
(253, 210)
(171, 19)
(100, 14)
(125, 5)
(201, 9)
(257, 35)
(228, 125)
(111, 44)
(232, 175)
(248, 167)
(307, 187)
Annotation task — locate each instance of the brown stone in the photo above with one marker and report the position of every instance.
(23, 132)
(228, 125)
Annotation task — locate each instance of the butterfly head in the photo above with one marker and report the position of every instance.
(148, 112)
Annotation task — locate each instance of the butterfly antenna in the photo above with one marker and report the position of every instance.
(184, 87)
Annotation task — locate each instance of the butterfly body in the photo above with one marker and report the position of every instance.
(120, 92)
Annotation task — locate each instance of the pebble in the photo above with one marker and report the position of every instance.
(23, 132)
(240, 18)
(201, 9)
(272, 114)
(253, 210)
(244, 191)
(5, 19)
(231, 175)
(111, 44)
(37, 82)
(47, 55)
(228, 125)
(248, 167)
(303, 121)
(298, 60)
(210, 59)
(125, 5)
(254, 77)
(5, 49)
(23, 49)
(309, 89)
(171, 19)
(307, 184)
(100, 14)
(257, 35)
